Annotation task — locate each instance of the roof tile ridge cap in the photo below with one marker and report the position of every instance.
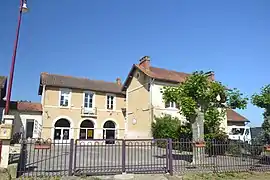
(79, 78)
(146, 71)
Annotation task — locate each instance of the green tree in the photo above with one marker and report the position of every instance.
(262, 100)
(200, 96)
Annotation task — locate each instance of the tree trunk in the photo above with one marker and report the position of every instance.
(198, 136)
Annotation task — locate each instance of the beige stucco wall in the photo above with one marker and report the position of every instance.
(53, 112)
(138, 108)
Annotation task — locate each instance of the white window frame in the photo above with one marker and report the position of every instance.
(93, 99)
(172, 105)
(69, 98)
(114, 102)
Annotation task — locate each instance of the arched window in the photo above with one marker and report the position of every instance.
(62, 129)
(109, 132)
(86, 130)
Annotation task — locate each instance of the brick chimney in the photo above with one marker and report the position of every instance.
(211, 75)
(145, 62)
(118, 81)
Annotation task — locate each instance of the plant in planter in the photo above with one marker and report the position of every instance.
(267, 148)
(42, 144)
(199, 143)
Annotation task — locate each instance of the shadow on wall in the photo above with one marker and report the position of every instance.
(18, 124)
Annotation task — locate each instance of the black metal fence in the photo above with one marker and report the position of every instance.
(104, 157)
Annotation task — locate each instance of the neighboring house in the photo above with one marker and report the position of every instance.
(144, 101)
(81, 108)
(28, 117)
(235, 119)
(3, 85)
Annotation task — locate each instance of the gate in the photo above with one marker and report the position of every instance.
(93, 157)
(100, 157)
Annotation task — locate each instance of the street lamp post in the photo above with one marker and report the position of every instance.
(23, 9)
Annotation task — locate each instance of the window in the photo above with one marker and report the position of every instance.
(110, 102)
(88, 100)
(171, 105)
(65, 98)
(237, 131)
(138, 75)
(87, 130)
(247, 132)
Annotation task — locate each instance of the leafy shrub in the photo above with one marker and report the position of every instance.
(234, 148)
(166, 127)
(16, 137)
(216, 143)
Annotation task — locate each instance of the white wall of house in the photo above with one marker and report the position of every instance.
(159, 104)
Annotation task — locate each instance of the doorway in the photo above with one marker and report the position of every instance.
(62, 130)
(29, 128)
(86, 130)
(109, 132)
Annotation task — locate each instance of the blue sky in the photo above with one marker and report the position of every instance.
(101, 39)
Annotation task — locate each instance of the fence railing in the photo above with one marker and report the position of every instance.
(114, 156)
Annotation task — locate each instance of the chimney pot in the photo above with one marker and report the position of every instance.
(118, 81)
(145, 62)
(211, 75)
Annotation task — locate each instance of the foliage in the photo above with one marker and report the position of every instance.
(198, 93)
(262, 100)
(16, 137)
(41, 141)
(166, 127)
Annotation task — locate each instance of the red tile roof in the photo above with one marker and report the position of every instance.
(158, 73)
(29, 106)
(23, 106)
(164, 74)
(234, 116)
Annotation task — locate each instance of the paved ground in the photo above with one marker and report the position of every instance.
(209, 176)
(107, 159)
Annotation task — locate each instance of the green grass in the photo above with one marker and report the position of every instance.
(228, 176)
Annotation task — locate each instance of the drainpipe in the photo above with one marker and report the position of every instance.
(43, 104)
(150, 99)
(126, 118)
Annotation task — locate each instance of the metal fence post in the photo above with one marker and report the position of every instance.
(71, 153)
(123, 156)
(170, 157)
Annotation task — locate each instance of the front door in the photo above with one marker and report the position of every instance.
(29, 128)
(109, 135)
(61, 135)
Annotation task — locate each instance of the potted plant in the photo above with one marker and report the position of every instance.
(42, 144)
(199, 143)
(267, 147)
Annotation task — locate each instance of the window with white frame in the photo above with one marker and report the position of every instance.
(88, 100)
(171, 105)
(65, 97)
(110, 101)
